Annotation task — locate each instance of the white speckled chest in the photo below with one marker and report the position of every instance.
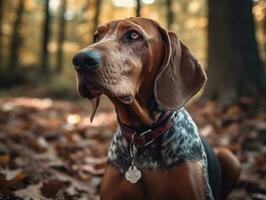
(181, 142)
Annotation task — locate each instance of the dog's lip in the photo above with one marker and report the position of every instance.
(91, 90)
(94, 90)
(88, 93)
(126, 99)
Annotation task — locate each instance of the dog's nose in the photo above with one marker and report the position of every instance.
(86, 61)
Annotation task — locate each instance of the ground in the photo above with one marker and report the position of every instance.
(50, 150)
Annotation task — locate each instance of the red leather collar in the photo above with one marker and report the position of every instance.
(146, 137)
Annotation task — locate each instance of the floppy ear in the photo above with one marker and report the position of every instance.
(180, 76)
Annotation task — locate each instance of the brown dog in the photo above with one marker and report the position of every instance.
(149, 75)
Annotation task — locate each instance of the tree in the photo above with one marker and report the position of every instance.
(16, 36)
(264, 32)
(234, 66)
(61, 37)
(1, 31)
(45, 41)
(170, 13)
(98, 4)
(138, 8)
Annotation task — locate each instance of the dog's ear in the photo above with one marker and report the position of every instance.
(180, 77)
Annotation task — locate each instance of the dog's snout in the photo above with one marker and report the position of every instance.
(86, 61)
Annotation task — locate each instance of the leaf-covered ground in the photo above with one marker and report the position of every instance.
(50, 150)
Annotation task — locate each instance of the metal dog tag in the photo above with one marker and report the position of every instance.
(133, 174)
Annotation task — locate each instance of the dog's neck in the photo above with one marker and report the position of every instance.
(143, 111)
(138, 113)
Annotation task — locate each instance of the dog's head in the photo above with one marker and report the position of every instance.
(137, 55)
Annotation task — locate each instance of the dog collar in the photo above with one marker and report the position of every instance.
(145, 136)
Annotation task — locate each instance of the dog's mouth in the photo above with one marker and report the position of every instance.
(89, 92)
(93, 90)
(126, 99)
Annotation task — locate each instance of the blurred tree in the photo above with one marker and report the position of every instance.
(264, 33)
(1, 31)
(98, 4)
(61, 37)
(45, 41)
(234, 66)
(170, 13)
(138, 8)
(16, 39)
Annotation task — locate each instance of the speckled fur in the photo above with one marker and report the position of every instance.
(181, 142)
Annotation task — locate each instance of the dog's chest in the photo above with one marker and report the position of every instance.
(179, 144)
(154, 185)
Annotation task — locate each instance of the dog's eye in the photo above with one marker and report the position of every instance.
(96, 38)
(132, 35)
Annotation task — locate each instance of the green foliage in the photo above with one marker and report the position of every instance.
(30, 82)
(61, 87)
(18, 77)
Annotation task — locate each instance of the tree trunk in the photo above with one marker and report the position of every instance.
(138, 8)
(1, 31)
(234, 66)
(16, 37)
(98, 4)
(45, 41)
(170, 13)
(61, 38)
(264, 35)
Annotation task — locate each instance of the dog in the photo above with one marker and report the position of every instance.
(156, 153)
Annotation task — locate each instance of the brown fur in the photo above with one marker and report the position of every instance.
(155, 69)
